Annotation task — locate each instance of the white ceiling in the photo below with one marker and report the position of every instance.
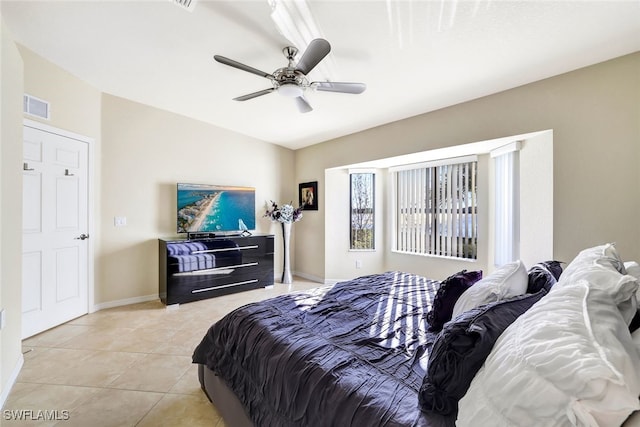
(415, 56)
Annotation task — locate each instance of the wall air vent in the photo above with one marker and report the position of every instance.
(186, 4)
(36, 107)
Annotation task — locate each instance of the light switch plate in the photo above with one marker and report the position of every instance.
(120, 221)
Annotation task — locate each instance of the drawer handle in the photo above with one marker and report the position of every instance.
(208, 251)
(246, 282)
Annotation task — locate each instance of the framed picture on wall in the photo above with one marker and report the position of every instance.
(308, 195)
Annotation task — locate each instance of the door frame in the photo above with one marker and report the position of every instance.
(91, 186)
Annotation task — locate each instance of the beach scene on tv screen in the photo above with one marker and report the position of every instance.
(215, 208)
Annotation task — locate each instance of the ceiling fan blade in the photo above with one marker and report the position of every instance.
(254, 95)
(303, 105)
(240, 66)
(318, 49)
(341, 87)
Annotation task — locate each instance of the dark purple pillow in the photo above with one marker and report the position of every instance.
(448, 293)
(543, 275)
(635, 323)
(462, 347)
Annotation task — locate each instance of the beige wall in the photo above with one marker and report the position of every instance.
(139, 154)
(594, 114)
(309, 233)
(146, 151)
(75, 105)
(11, 83)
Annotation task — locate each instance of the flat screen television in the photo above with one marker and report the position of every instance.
(204, 208)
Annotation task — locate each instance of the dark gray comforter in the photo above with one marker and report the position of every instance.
(353, 354)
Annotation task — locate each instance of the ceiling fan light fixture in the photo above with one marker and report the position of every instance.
(290, 90)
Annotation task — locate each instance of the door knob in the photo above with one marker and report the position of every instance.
(82, 237)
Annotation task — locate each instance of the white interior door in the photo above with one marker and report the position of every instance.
(55, 229)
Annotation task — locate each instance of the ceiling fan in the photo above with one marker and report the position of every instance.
(291, 81)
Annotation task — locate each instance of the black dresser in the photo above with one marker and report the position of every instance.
(192, 270)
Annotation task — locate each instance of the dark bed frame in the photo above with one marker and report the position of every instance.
(223, 399)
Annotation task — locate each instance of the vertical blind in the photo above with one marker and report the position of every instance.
(507, 205)
(436, 209)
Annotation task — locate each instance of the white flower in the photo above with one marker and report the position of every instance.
(284, 213)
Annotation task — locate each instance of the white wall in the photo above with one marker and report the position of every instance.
(536, 199)
(536, 212)
(340, 259)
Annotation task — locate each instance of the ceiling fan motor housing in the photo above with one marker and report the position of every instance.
(289, 82)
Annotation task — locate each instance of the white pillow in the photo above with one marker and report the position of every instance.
(602, 267)
(506, 281)
(595, 262)
(569, 360)
(633, 269)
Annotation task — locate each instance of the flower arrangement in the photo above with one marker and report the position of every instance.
(285, 213)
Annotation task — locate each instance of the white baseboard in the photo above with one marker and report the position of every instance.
(6, 388)
(121, 302)
(312, 278)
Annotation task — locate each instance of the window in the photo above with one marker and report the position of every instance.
(435, 208)
(362, 210)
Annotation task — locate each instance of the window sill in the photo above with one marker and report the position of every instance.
(452, 258)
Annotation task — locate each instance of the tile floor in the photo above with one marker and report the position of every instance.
(125, 366)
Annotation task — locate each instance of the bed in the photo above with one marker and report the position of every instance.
(378, 350)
